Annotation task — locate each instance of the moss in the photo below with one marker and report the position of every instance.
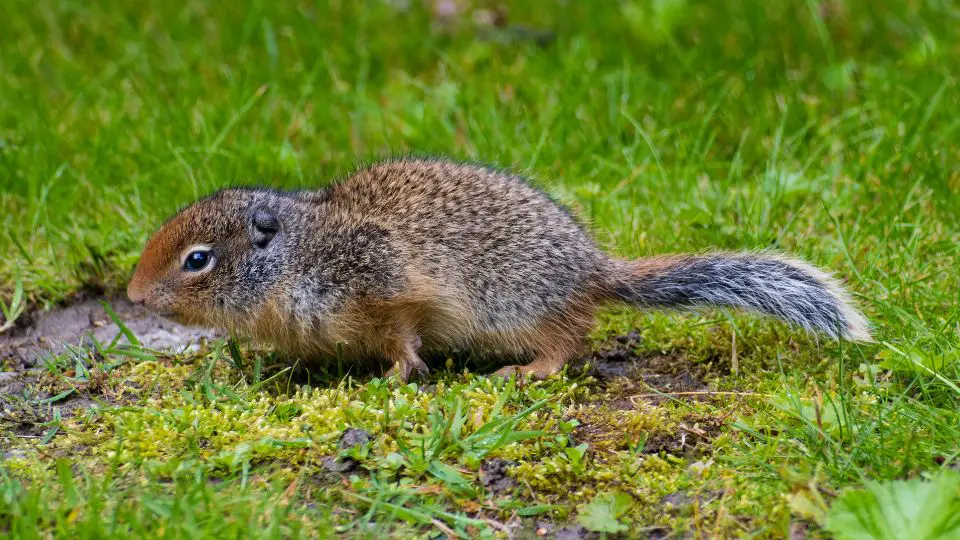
(431, 440)
(199, 421)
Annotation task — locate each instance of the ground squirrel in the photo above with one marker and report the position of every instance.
(417, 252)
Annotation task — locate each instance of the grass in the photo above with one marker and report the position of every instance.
(827, 129)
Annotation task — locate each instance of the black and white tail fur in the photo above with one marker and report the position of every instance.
(788, 289)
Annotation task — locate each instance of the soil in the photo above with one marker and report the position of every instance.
(493, 475)
(630, 379)
(692, 438)
(623, 371)
(47, 333)
(28, 401)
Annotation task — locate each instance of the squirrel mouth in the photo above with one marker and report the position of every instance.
(167, 314)
(179, 318)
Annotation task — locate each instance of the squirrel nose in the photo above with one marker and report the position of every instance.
(135, 294)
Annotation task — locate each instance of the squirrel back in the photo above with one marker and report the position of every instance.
(427, 251)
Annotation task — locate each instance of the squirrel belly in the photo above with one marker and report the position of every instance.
(431, 253)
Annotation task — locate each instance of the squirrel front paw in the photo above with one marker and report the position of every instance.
(404, 370)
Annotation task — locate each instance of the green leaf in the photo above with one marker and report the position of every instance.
(58, 397)
(603, 513)
(50, 433)
(913, 509)
(67, 483)
(536, 510)
(393, 461)
(447, 474)
(575, 454)
(825, 415)
(15, 308)
(915, 360)
(119, 322)
(235, 355)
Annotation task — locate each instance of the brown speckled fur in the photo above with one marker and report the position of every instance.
(428, 252)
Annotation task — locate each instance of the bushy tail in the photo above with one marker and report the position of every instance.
(787, 289)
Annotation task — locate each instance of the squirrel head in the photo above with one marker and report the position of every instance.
(215, 260)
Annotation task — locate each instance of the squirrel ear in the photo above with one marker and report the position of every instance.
(264, 225)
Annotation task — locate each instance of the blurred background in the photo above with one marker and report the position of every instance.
(824, 127)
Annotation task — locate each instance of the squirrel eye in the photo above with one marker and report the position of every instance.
(196, 260)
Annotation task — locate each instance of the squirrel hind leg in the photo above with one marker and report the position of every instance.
(401, 351)
(556, 342)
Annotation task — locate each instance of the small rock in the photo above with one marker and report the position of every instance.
(16, 453)
(337, 465)
(677, 499)
(544, 528)
(8, 376)
(632, 337)
(573, 532)
(658, 533)
(493, 475)
(615, 355)
(616, 368)
(353, 437)
(446, 10)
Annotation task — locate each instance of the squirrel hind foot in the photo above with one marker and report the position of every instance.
(520, 371)
(545, 364)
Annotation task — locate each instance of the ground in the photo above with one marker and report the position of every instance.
(827, 129)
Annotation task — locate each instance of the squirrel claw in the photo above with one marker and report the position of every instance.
(403, 371)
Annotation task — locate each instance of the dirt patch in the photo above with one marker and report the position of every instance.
(607, 430)
(48, 332)
(523, 529)
(18, 413)
(574, 532)
(493, 475)
(692, 437)
(27, 403)
(653, 377)
(31, 400)
(629, 381)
